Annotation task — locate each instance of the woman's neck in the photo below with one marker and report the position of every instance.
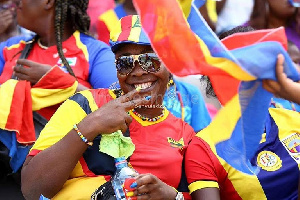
(48, 37)
(149, 112)
(275, 22)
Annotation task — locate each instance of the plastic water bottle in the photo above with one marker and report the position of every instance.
(123, 172)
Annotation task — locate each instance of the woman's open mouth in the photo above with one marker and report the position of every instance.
(145, 87)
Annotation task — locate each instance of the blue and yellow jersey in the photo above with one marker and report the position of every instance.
(159, 146)
(277, 159)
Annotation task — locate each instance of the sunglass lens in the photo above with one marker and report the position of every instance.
(150, 62)
(124, 64)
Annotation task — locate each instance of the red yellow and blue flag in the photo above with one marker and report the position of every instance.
(188, 46)
(19, 99)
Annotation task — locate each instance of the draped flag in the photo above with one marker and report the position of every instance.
(19, 99)
(189, 47)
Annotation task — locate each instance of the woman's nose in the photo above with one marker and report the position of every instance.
(138, 70)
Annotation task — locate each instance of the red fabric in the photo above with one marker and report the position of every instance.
(103, 32)
(201, 164)
(54, 78)
(126, 22)
(96, 8)
(226, 86)
(20, 116)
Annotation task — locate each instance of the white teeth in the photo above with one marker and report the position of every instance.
(143, 85)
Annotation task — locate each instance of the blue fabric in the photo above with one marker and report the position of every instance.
(288, 172)
(120, 12)
(196, 113)
(102, 71)
(17, 152)
(258, 60)
(11, 41)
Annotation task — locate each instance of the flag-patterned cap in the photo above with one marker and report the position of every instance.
(128, 30)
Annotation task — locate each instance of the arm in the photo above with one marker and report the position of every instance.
(201, 172)
(284, 87)
(45, 173)
(206, 194)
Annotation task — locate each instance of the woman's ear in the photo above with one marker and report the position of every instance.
(49, 4)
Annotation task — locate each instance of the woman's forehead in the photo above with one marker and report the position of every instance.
(133, 49)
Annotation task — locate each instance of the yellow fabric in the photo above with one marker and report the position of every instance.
(79, 188)
(58, 127)
(16, 45)
(225, 64)
(288, 121)
(185, 6)
(202, 184)
(48, 99)
(135, 31)
(147, 123)
(219, 131)
(212, 10)
(6, 94)
(109, 18)
(232, 112)
(81, 46)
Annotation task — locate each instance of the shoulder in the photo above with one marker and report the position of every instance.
(15, 40)
(180, 124)
(92, 42)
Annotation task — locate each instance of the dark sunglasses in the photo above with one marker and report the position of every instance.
(148, 61)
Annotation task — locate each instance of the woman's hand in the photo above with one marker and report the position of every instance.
(151, 187)
(6, 19)
(283, 87)
(112, 116)
(30, 71)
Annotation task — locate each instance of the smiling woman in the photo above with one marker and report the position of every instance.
(160, 139)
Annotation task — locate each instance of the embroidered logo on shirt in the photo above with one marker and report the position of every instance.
(71, 61)
(176, 144)
(269, 161)
(292, 145)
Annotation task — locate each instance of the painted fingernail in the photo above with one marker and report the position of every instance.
(133, 185)
(129, 194)
(138, 89)
(148, 98)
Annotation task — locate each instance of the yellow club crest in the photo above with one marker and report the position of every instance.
(269, 161)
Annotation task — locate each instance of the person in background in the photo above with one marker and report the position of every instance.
(185, 101)
(8, 22)
(75, 132)
(233, 13)
(108, 19)
(95, 9)
(276, 13)
(210, 12)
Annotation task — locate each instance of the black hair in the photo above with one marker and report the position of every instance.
(75, 11)
(238, 29)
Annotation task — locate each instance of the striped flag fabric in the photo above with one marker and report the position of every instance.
(187, 46)
(19, 99)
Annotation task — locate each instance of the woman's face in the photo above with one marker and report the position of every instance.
(281, 8)
(28, 12)
(152, 84)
